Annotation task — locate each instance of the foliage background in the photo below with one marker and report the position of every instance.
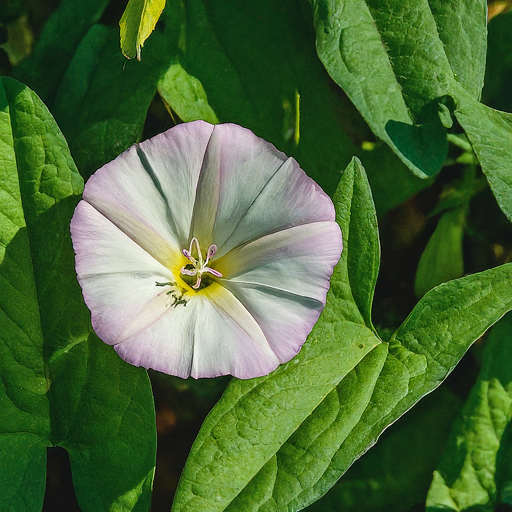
(279, 69)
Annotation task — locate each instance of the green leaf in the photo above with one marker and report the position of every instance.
(259, 68)
(119, 434)
(185, 95)
(442, 259)
(421, 353)
(281, 441)
(385, 170)
(138, 21)
(474, 472)
(498, 72)
(459, 193)
(242, 438)
(462, 29)
(355, 214)
(490, 133)
(59, 385)
(415, 59)
(397, 61)
(396, 474)
(103, 99)
(23, 459)
(56, 45)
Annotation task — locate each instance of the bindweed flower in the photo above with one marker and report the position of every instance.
(205, 251)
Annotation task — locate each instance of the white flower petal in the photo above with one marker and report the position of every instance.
(285, 319)
(166, 345)
(237, 166)
(117, 276)
(282, 279)
(290, 198)
(152, 185)
(298, 260)
(212, 335)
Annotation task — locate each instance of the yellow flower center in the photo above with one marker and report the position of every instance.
(198, 265)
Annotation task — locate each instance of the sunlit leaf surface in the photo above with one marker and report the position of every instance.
(474, 472)
(139, 20)
(325, 408)
(60, 386)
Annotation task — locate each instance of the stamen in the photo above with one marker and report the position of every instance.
(216, 273)
(211, 253)
(188, 272)
(200, 266)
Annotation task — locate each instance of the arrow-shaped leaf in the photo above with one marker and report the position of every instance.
(280, 442)
(59, 385)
